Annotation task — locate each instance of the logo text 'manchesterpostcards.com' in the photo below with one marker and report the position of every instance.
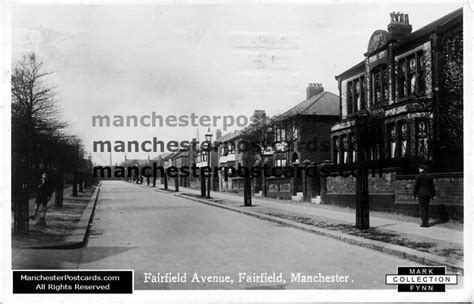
(195, 171)
(156, 145)
(228, 171)
(421, 279)
(154, 120)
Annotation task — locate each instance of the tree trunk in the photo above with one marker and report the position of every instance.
(203, 184)
(247, 191)
(294, 190)
(81, 181)
(21, 212)
(59, 189)
(264, 185)
(209, 185)
(74, 183)
(362, 198)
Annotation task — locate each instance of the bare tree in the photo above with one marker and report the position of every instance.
(259, 136)
(36, 127)
(286, 127)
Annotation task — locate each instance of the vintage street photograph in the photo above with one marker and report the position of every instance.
(257, 146)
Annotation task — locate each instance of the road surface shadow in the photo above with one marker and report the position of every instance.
(62, 259)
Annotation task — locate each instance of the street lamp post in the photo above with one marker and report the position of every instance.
(208, 139)
(75, 182)
(203, 180)
(247, 191)
(89, 171)
(137, 180)
(362, 195)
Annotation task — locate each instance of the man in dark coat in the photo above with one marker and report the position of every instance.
(424, 190)
(43, 196)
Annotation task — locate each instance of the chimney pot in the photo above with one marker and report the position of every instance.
(314, 89)
(399, 26)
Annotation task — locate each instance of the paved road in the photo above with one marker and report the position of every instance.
(153, 232)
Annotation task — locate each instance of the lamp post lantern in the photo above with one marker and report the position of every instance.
(209, 146)
(137, 180)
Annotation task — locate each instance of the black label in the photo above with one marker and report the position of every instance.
(427, 270)
(421, 288)
(77, 281)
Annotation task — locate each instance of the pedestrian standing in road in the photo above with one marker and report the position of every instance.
(43, 196)
(424, 190)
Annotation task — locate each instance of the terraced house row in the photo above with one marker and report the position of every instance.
(402, 104)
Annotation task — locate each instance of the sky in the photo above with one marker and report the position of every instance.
(207, 59)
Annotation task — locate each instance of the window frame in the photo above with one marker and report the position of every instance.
(400, 138)
(392, 140)
(418, 138)
(403, 83)
(335, 149)
(355, 95)
(280, 161)
(379, 75)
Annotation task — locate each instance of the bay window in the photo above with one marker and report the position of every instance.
(411, 75)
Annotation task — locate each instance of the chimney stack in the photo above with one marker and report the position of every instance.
(399, 26)
(258, 115)
(218, 134)
(314, 89)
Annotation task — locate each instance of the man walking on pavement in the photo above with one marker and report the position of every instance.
(43, 196)
(424, 190)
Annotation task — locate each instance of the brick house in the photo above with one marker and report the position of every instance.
(203, 158)
(234, 150)
(303, 131)
(182, 159)
(301, 134)
(409, 86)
(228, 157)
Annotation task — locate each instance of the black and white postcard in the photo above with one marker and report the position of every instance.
(258, 151)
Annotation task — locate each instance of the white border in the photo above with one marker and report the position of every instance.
(464, 294)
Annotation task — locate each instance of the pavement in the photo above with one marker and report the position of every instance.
(63, 227)
(67, 192)
(436, 245)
